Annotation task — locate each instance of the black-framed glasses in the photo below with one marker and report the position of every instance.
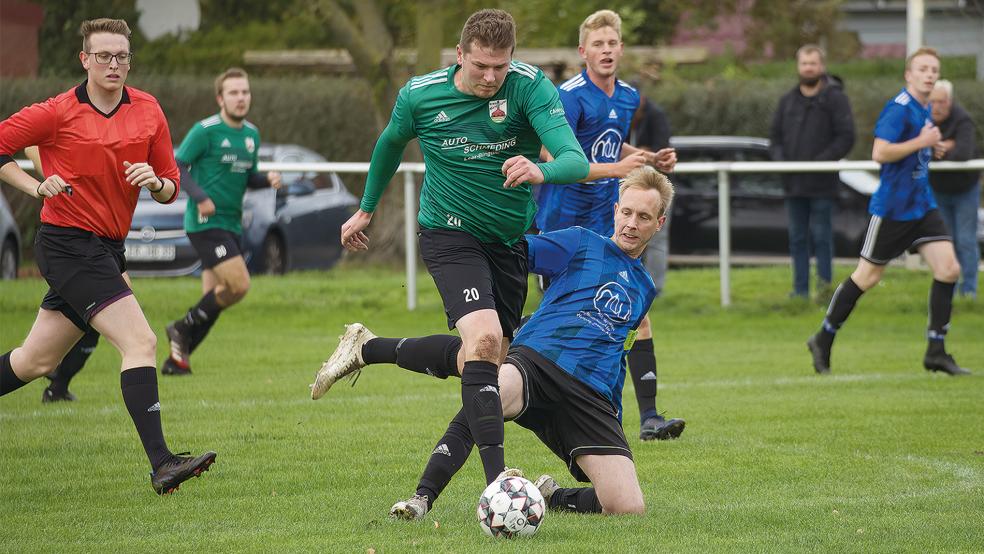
(123, 58)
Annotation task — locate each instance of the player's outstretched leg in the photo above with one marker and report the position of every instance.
(344, 361)
(71, 364)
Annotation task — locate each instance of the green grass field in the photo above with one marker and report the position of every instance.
(881, 456)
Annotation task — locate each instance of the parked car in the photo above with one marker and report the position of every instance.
(758, 215)
(10, 242)
(296, 227)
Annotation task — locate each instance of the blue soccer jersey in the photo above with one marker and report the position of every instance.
(904, 193)
(601, 124)
(598, 294)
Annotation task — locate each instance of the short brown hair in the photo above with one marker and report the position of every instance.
(231, 73)
(810, 49)
(647, 178)
(102, 25)
(922, 51)
(599, 20)
(493, 29)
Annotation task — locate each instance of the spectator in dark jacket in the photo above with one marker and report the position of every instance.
(650, 131)
(958, 193)
(812, 123)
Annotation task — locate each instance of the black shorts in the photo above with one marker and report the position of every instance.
(215, 246)
(473, 275)
(568, 416)
(84, 271)
(887, 239)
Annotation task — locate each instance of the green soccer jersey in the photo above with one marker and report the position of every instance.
(465, 139)
(221, 159)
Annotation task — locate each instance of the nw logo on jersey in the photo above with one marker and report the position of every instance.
(497, 110)
(612, 114)
(613, 301)
(226, 143)
(606, 147)
(442, 449)
(442, 118)
(624, 275)
(250, 144)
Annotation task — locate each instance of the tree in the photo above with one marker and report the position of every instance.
(60, 41)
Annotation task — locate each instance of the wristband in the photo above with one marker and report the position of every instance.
(38, 192)
(161, 181)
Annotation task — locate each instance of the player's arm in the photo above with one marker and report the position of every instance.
(159, 174)
(383, 163)
(34, 155)
(550, 253)
(888, 146)
(30, 126)
(664, 160)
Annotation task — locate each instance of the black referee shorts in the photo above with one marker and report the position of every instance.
(568, 416)
(473, 275)
(887, 239)
(84, 271)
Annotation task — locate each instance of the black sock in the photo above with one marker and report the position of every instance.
(642, 366)
(9, 382)
(940, 308)
(380, 350)
(482, 407)
(201, 330)
(447, 458)
(73, 362)
(436, 355)
(841, 304)
(139, 387)
(198, 315)
(582, 501)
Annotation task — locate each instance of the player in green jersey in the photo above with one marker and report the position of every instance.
(480, 124)
(217, 160)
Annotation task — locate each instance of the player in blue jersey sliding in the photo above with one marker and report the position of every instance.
(903, 217)
(563, 375)
(599, 108)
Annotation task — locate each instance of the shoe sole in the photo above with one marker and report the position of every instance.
(405, 513)
(814, 353)
(201, 468)
(347, 342)
(669, 431)
(938, 368)
(174, 338)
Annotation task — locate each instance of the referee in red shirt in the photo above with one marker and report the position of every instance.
(100, 143)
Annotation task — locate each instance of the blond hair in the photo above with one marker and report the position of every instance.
(599, 20)
(945, 86)
(489, 28)
(647, 178)
(231, 73)
(922, 51)
(102, 25)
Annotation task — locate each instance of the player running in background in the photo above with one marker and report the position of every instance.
(100, 143)
(564, 373)
(218, 161)
(600, 107)
(904, 217)
(480, 124)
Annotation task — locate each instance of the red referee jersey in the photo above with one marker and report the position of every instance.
(87, 148)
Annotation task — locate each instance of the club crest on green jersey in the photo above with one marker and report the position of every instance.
(497, 110)
(250, 144)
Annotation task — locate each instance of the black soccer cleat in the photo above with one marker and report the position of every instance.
(171, 367)
(821, 356)
(166, 478)
(180, 345)
(943, 362)
(660, 428)
(50, 395)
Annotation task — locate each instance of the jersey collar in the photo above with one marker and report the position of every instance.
(83, 97)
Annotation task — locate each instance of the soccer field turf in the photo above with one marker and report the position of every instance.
(881, 456)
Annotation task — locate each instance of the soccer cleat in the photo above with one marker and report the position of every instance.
(510, 472)
(660, 428)
(945, 363)
(821, 356)
(180, 350)
(171, 367)
(413, 508)
(166, 478)
(547, 486)
(345, 360)
(50, 395)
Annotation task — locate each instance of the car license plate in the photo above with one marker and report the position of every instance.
(149, 252)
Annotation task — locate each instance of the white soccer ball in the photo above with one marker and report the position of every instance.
(511, 507)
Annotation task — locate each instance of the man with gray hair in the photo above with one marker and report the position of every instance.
(958, 193)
